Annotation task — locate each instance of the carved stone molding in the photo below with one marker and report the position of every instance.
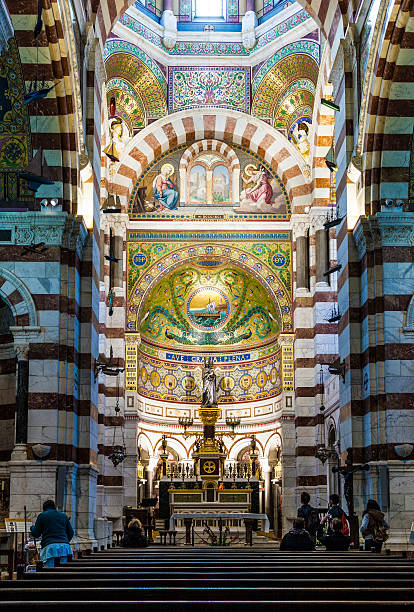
(317, 219)
(22, 337)
(386, 229)
(118, 222)
(299, 227)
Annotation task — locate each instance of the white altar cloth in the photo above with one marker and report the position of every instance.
(224, 515)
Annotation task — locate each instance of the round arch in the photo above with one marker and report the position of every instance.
(17, 296)
(255, 268)
(273, 441)
(147, 445)
(175, 445)
(235, 449)
(190, 155)
(228, 126)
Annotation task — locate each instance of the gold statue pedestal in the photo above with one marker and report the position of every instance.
(210, 456)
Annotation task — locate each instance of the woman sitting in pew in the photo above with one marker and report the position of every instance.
(134, 536)
(297, 538)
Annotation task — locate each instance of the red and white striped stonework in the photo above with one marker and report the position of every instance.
(385, 160)
(228, 126)
(210, 145)
(53, 128)
(390, 118)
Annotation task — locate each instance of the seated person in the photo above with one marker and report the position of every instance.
(297, 538)
(134, 537)
(336, 540)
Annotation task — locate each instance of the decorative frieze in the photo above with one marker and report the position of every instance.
(385, 229)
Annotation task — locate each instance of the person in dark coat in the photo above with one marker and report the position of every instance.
(336, 540)
(134, 536)
(310, 516)
(297, 538)
(56, 531)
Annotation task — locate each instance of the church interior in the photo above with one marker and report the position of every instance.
(206, 264)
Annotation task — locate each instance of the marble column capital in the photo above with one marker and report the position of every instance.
(22, 337)
(132, 339)
(300, 229)
(118, 223)
(286, 339)
(318, 219)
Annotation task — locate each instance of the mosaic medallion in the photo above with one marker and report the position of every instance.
(208, 308)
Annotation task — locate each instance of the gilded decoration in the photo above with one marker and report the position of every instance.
(217, 304)
(245, 381)
(15, 147)
(220, 87)
(286, 91)
(222, 290)
(209, 187)
(129, 105)
(150, 86)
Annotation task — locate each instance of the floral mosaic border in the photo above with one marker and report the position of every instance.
(306, 47)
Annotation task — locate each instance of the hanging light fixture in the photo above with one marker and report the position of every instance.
(118, 454)
(321, 452)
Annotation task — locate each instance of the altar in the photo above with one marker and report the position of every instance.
(229, 519)
(209, 495)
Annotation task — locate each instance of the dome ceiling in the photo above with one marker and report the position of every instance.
(222, 305)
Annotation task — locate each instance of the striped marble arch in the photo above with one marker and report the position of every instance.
(228, 126)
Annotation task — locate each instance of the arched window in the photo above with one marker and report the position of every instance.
(209, 9)
(209, 180)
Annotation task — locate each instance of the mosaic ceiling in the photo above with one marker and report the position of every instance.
(129, 68)
(248, 381)
(173, 277)
(129, 105)
(218, 305)
(298, 74)
(209, 48)
(15, 145)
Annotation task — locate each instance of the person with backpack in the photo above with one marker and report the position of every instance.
(337, 541)
(374, 526)
(335, 511)
(56, 532)
(310, 516)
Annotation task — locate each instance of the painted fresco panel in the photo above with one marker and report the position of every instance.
(273, 205)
